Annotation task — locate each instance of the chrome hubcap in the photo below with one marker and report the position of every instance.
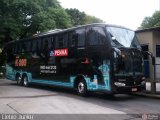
(19, 79)
(25, 80)
(80, 87)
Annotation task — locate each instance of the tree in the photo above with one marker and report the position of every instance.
(23, 18)
(92, 19)
(81, 18)
(153, 21)
(77, 17)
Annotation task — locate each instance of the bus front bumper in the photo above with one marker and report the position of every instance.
(130, 89)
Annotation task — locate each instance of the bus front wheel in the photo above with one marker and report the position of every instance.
(82, 88)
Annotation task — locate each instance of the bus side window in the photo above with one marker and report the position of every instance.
(12, 48)
(52, 43)
(60, 41)
(96, 36)
(23, 47)
(92, 37)
(77, 37)
(80, 37)
(9, 49)
(28, 46)
(38, 45)
(72, 39)
(34, 45)
(101, 35)
(19, 47)
(65, 40)
(15, 48)
(44, 44)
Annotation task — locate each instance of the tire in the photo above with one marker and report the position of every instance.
(82, 88)
(25, 81)
(19, 80)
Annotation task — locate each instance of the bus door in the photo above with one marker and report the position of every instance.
(95, 48)
(81, 55)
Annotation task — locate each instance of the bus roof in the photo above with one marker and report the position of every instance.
(55, 31)
(75, 27)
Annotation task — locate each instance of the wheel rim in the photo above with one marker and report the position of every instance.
(18, 79)
(25, 81)
(81, 87)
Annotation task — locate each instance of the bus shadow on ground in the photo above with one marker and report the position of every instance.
(63, 91)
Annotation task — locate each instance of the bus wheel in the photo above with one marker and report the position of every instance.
(25, 80)
(82, 88)
(19, 80)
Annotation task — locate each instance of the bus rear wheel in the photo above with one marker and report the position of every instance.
(19, 80)
(82, 88)
(25, 80)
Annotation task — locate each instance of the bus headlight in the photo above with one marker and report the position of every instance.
(119, 84)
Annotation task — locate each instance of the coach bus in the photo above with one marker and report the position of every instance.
(96, 57)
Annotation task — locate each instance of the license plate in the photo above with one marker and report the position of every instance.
(134, 89)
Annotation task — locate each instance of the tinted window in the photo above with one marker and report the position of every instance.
(96, 36)
(51, 43)
(19, 47)
(34, 45)
(72, 39)
(62, 40)
(45, 44)
(77, 36)
(80, 37)
(65, 40)
(39, 44)
(9, 49)
(28, 46)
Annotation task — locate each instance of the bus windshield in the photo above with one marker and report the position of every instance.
(122, 37)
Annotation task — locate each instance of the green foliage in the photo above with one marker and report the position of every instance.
(77, 17)
(153, 21)
(23, 18)
(80, 18)
(61, 18)
(92, 19)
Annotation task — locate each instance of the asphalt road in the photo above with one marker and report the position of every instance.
(38, 99)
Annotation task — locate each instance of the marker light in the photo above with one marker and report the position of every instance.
(119, 84)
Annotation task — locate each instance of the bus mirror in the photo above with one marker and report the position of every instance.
(118, 51)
